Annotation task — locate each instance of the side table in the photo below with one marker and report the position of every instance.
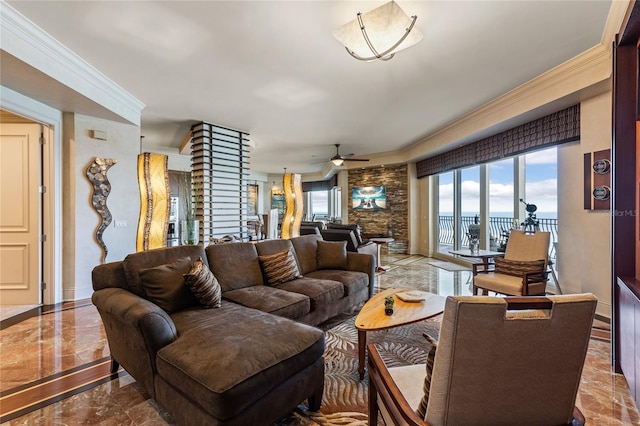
(379, 242)
(484, 255)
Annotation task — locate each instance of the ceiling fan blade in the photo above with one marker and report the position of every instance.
(356, 159)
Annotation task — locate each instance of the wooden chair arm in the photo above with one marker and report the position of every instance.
(382, 385)
(485, 268)
(532, 278)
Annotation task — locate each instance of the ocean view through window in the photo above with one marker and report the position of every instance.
(497, 188)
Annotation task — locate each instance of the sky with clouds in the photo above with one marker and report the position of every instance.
(540, 186)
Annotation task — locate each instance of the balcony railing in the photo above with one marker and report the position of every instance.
(497, 225)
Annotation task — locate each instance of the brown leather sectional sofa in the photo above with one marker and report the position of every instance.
(249, 362)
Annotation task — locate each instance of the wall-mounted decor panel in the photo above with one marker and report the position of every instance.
(252, 199)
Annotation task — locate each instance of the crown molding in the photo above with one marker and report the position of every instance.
(30, 44)
(580, 73)
(618, 13)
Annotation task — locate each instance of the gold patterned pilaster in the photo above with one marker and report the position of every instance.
(153, 180)
(292, 185)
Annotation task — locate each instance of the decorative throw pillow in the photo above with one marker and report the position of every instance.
(164, 285)
(204, 285)
(426, 387)
(280, 267)
(332, 254)
(517, 267)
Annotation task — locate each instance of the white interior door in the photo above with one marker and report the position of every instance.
(20, 180)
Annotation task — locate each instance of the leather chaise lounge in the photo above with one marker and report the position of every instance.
(252, 360)
(351, 234)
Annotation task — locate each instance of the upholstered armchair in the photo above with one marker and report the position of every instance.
(499, 361)
(522, 271)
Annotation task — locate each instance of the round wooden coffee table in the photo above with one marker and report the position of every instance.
(372, 316)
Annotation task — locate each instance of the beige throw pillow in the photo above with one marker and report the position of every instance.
(204, 285)
(280, 267)
(332, 254)
(164, 285)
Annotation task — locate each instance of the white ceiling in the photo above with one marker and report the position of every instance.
(273, 69)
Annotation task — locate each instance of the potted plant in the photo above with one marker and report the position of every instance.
(388, 305)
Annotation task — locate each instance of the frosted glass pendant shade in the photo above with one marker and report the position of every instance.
(379, 33)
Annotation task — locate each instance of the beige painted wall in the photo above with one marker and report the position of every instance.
(81, 251)
(584, 251)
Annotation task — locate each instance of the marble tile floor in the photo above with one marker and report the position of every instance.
(54, 366)
(12, 311)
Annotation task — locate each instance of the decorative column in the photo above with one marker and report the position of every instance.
(294, 206)
(155, 197)
(220, 167)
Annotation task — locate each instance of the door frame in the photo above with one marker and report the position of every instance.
(51, 119)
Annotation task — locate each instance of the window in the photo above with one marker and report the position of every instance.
(323, 205)
(541, 182)
(501, 199)
(531, 177)
(470, 202)
(445, 211)
(319, 201)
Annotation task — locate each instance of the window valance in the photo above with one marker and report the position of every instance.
(554, 129)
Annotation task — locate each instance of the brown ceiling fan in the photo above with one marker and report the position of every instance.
(338, 159)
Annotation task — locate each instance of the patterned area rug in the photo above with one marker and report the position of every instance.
(345, 396)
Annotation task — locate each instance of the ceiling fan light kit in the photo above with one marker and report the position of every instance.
(338, 160)
(379, 33)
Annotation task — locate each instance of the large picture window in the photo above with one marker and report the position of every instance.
(531, 177)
